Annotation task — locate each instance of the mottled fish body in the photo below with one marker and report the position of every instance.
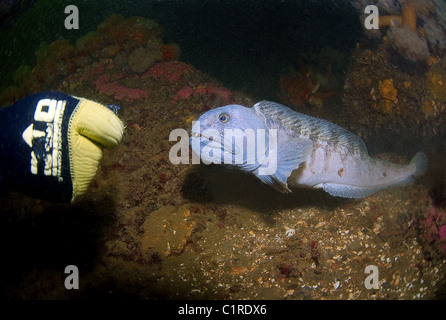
(310, 152)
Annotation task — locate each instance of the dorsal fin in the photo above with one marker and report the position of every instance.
(303, 125)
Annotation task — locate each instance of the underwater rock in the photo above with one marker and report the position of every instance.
(185, 92)
(59, 49)
(434, 231)
(407, 43)
(119, 92)
(142, 58)
(121, 60)
(90, 43)
(376, 108)
(131, 33)
(173, 71)
(166, 231)
(388, 94)
(140, 31)
(302, 88)
(110, 23)
(405, 37)
(54, 62)
(436, 83)
(170, 52)
(317, 79)
(435, 34)
(134, 44)
(116, 34)
(297, 87)
(111, 51)
(428, 108)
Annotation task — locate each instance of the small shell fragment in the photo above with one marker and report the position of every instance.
(337, 284)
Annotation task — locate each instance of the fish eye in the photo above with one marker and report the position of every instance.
(223, 117)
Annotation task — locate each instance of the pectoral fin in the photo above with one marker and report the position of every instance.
(278, 185)
(281, 161)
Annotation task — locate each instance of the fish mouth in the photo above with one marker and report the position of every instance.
(214, 142)
(198, 135)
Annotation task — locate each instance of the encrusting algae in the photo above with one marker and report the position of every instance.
(133, 44)
(436, 83)
(166, 231)
(388, 94)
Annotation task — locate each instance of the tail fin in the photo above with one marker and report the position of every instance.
(420, 162)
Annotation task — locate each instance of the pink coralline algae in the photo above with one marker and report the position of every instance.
(187, 91)
(171, 70)
(98, 69)
(436, 228)
(442, 234)
(119, 92)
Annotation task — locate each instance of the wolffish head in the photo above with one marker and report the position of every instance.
(231, 135)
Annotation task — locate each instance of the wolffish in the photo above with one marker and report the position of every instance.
(302, 150)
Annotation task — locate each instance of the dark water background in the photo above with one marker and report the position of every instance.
(244, 44)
